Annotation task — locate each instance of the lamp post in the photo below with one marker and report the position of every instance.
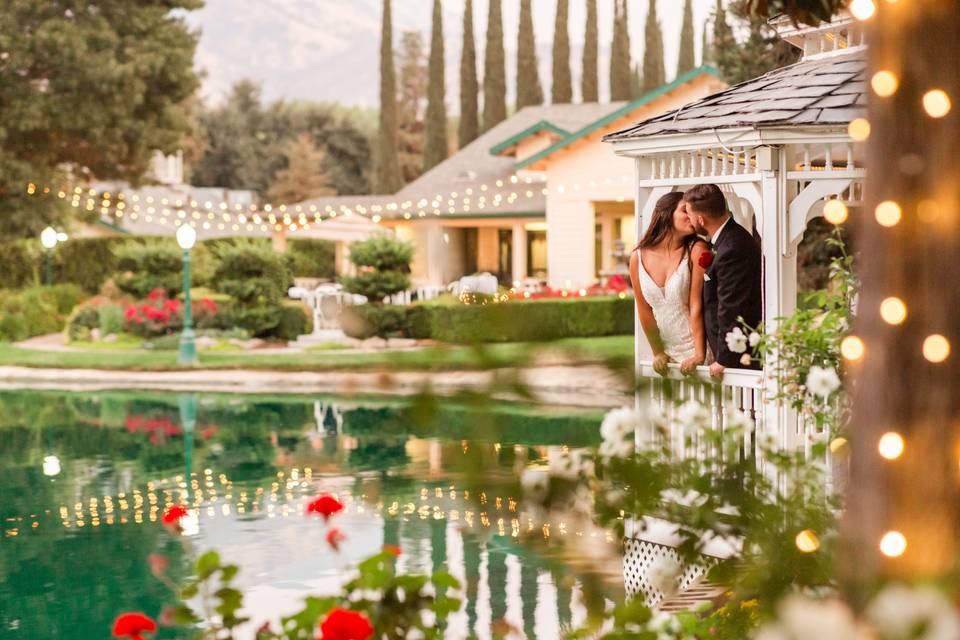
(49, 239)
(186, 238)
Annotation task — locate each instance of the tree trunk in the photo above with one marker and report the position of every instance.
(913, 161)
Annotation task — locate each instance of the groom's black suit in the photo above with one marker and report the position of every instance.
(732, 291)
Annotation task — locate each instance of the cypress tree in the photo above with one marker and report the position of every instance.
(388, 164)
(435, 147)
(469, 127)
(494, 70)
(529, 91)
(687, 57)
(653, 73)
(706, 55)
(562, 89)
(636, 82)
(620, 73)
(589, 84)
(722, 33)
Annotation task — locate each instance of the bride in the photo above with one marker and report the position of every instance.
(667, 283)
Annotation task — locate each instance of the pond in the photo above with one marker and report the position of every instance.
(84, 478)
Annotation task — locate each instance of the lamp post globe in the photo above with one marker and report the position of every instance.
(187, 355)
(49, 238)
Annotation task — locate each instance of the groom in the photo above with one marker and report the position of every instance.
(731, 288)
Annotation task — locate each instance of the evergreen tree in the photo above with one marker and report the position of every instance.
(469, 127)
(686, 60)
(722, 36)
(562, 88)
(589, 83)
(494, 70)
(304, 177)
(411, 104)
(653, 72)
(761, 51)
(620, 72)
(90, 85)
(529, 91)
(706, 53)
(636, 82)
(388, 164)
(436, 147)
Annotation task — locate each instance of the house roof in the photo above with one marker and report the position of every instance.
(622, 111)
(827, 91)
(543, 125)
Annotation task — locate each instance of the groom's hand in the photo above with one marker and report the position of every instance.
(660, 362)
(716, 371)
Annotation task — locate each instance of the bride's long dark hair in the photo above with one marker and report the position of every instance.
(661, 224)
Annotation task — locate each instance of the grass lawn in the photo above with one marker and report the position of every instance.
(440, 358)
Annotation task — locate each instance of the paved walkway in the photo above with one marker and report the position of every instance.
(588, 386)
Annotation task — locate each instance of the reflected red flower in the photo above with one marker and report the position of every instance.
(334, 538)
(173, 514)
(132, 625)
(392, 549)
(326, 505)
(343, 624)
(158, 564)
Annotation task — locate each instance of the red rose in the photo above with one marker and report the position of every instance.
(173, 514)
(392, 549)
(335, 538)
(131, 625)
(706, 259)
(157, 294)
(343, 624)
(326, 505)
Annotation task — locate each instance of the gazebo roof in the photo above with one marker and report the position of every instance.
(827, 91)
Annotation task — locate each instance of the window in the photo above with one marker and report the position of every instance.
(537, 254)
(505, 259)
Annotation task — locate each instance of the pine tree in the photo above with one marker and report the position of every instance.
(706, 53)
(436, 148)
(589, 83)
(494, 70)
(303, 178)
(529, 91)
(761, 50)
(562, 89)
(469, 127)
(653, 73)
(388, 165)
(687, 57)
(722, 33)
(411, 105)
(620, 73)
(636, 82)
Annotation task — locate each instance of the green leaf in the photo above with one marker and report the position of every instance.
(184, 615)
(443, 580)
(229, 572)
(207, 564)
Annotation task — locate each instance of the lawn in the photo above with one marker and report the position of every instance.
(439, 358)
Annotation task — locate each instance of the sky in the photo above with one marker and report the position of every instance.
(328, 50)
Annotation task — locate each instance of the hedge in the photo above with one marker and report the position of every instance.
(528, 321)
(311, 258)
(36, 311)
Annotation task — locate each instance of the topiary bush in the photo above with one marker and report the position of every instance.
(310, 258)
(383, 263)
(146, 267)
(295, 320)
(87, 262)
(257, 279)
(36, 311)
(369, 320)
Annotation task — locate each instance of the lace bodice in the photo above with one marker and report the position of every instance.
(671, 309)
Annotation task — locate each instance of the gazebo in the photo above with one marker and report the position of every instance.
(779, 147)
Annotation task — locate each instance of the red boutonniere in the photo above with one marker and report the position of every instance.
(705, 260)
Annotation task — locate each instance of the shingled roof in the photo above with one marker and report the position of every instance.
(829, 91)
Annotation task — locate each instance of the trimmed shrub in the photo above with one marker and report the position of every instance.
(87, 262)
(383, 263)
(529, 321)
(142, 268)
(376, 285)
(295, 320)
(311, 258)
(368, 320)
(36, 311)
(22, 264)
(257, 279)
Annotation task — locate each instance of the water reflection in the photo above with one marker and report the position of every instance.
(85, 478)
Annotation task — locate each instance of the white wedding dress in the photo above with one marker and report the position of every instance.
(671, 309)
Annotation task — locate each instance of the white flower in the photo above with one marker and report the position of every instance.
(822, 381)
(736, 340)
(664, 574)
(900, 611)
(535, 483)
(754, 339)
(801, 618)
(618, 423)
(616, 449)
(736, 420)
(570, 465)
(692, 415)
(745, 359)
(689, 499)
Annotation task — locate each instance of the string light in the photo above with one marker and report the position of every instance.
(893, 310)
(936, 348)
(928, 211)
(936, 103)
(807, 541)
(859, 129)
(884, 83)
(891, 445)
(893, 544)
(863, 9)
(835, 212)
(888, 213)
(852, 348)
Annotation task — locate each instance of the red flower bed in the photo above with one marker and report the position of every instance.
(160, 315)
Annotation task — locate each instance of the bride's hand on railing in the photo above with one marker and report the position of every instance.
(689, 366)
(660, 362)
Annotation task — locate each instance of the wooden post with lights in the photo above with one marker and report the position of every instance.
(903, 509)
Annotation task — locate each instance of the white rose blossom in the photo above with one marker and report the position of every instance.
(692, 415)
(617, 431)
(736, 340)
(802, 618)
(535, 483)
(664, 575)
(745, 359)
(754, 339)
(822, 381)
(898, 612)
